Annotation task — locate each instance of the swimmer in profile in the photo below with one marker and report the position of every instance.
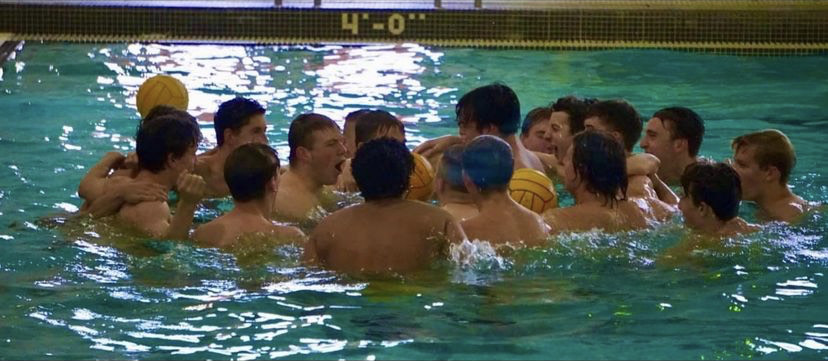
(764, 161)
(370, 124)
(237, 122)
(317, 155)
(712, 193)
(111, 183)
(449, 187)
(493, 109)
(487, 169)
(533, 130)
(251, 172)
(674, 135)
(595, 173)
(349, 130)
(386, 233)
(566, 120)
(166, 149)
(619, 119)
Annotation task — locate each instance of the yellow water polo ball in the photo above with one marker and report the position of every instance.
(161, 90)
(533, 190)
(421, 184)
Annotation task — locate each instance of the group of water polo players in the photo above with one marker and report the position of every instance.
(488, 183)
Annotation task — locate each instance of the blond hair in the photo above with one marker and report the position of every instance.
(773, 148)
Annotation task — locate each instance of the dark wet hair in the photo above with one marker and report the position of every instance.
(576, 108)
(494, 104)
(301, 131)
(248, 169)
(382, 169)
(166, 135)
(162, 110)
(534, 116)
(451, 168)
(355, 115)
(488, 162)
(684, 124)
(372, 122)
(621, 117)
(600, 162)
(234, 114)
(716, 184)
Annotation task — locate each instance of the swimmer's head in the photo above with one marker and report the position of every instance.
(378, 123)
(450, 173)
(488, 164)
(162, 110)
(240, 121)
(768, 148)
(349, 130)
(673, 129)
(534, 128)
(316, 143)
(597, 162)
(617, 117)
(168, 141)
(491, 109)
(711, 190)
(251, 171)
(382, 169)
(566, 120)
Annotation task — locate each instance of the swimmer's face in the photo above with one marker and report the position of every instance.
(559, 134)
(186, 163)
(570, 178)
(693, 216)
(252, 132)
(327, 155)
(536, 140)
(467, 128)
(658, 141)
(750, 174)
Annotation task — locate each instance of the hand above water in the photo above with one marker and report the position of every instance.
(191, 188)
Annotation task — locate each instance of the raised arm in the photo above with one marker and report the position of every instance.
(94, 182)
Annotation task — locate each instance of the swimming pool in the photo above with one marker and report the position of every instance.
(69, 292)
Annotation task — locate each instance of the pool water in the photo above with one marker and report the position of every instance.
(81, 289)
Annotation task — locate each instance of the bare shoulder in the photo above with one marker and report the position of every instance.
(145, 210)
(283, 231)
(209, 233)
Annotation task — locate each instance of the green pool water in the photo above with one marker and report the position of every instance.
(81, 291)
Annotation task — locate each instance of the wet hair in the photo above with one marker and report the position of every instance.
(488, 162)
(715, 184)
(684, 124)
(600, 162)
(355, 115)
(493, 104)
(234, 114)
(162, 110)
(534, 116)
(451, 168)
(162, 136)
(248, 169)
(301, 132)
(372, 122)
(773, 148)
(621, 117)
(382, 169)
(576, 109)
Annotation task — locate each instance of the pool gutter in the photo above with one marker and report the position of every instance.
(745, 27)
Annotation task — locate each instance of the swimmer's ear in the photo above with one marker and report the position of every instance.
(303, 154)
(273, 184)
(705, 210)
(680, 144)
(229, 135)
(772, 174)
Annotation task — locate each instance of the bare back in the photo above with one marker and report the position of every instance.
(623, 216)
(224, 231)
(508, 224)
(389, 235)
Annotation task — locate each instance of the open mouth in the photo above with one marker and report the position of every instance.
(339, 165)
